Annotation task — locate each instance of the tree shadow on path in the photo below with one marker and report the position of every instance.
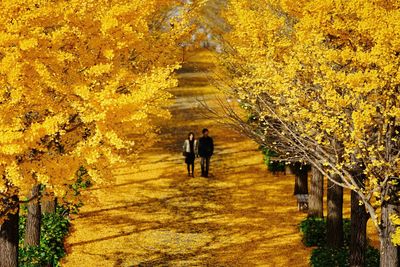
(157, 216)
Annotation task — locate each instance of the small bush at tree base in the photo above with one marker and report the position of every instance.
(53, 230)
(314, 231)
(346, 231)
(273, 166)
(314, 234)
(324, 257)
(372, 257)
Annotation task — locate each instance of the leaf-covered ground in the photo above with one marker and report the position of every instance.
(154, 215)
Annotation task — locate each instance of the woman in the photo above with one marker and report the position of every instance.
(190, 151)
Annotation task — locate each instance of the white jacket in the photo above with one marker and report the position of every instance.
(186, 146)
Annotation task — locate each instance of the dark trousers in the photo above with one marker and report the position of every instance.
(188, 167)
(205, 166)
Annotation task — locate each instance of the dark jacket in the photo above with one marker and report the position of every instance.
(206, 147)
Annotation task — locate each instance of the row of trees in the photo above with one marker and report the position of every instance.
(82, 84)
(321, 81)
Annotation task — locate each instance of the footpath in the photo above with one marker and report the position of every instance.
(154, 215)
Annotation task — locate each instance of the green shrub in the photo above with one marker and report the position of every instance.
(372, 257)
(314, 234)
(314, 231)
(273, 166)
(324, 257)
(54, 228)
(346, 231)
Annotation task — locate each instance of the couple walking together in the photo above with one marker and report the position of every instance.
(204, 147)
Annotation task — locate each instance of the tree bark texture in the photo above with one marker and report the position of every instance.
(9, 240)
(33, 220)
(389, 256)
(358, 242)
(48, 205)
(301, 178)
(316, 198)
(334, 220)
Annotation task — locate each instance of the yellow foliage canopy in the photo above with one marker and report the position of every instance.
(81, 84)
(328, 71)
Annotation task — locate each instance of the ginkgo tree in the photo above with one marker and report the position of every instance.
(82, 83)
(322, 77)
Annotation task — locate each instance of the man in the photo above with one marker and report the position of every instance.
(205, 151)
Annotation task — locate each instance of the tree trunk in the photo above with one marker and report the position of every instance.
(33, 220)
(48, 205)
(301, 178)
(334, 220)
(358, 242)
(9, 240)
(388, 250)
(316, 198)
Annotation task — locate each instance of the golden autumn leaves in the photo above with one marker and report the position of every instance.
(326, 73)
(82, 83)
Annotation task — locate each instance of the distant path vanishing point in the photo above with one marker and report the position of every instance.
(154, 215)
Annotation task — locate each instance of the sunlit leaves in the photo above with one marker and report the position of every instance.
(82, 83)
(329, 70)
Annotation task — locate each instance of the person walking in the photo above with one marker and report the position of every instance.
(206, 150)
(190, 147)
